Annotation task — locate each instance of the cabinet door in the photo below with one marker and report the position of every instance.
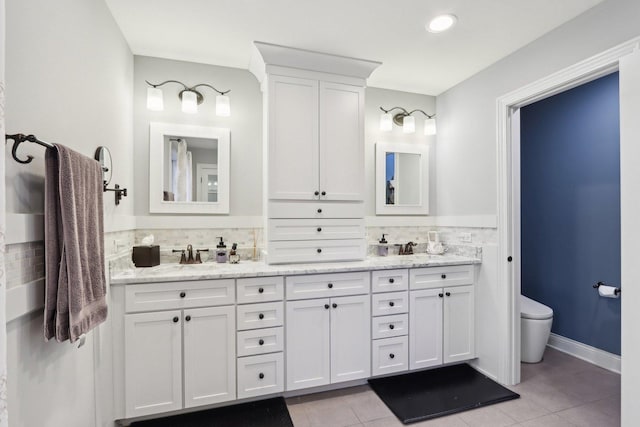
(459, 324)
(341, 141)
(293, 138)
(425, 328)
(350, 338)
(153, 362)
(209, 355)
(307, 343)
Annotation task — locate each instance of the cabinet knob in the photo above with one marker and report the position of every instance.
(319, 250)
(391, 304)
(261, 342)
(260, 316)
(260, 290)
(326, 306)
(319, 210)
(175, 319)
(261, 375)
(324, 193)
(391, 280)
(188, 318)
(440, 295)
(330, 285)
(391, 356)
(317, 193)
(448, 294)
(334, 305)
(391, 326)
(444, 276)
(183, 294)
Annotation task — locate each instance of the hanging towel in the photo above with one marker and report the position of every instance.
(182, 172)
(75, 285)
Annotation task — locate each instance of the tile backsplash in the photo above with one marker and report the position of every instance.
(24, 263)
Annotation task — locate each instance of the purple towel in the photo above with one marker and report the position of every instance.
(75, 285)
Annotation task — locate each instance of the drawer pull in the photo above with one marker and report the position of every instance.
(188, 318)
(330, 285)
(319, 210)
(261, 342)
(334, 305)
(183, 294)
(261, 375)
(391, 326)
(440, 295)
(326, 306)
(391, 304)
(391, 280)
(324, 193)
(391, 356)
(175, 319)
(260, 290)
(316, 193)
(319, 229)
(448, 294)
(319, 250)
(444, 276)
(260, 316)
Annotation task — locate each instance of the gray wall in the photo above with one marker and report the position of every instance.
(68, 80)
(466, 155)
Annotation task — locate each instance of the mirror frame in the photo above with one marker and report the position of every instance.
(157, 132)
(400, 147)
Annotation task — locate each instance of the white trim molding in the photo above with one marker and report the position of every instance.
(25, 299)
(609, 361)
(508, 242)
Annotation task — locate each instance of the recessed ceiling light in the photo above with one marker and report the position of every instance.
(441, 23)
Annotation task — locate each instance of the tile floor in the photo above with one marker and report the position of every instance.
(562, 391)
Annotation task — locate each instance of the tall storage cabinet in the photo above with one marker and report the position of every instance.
(313, 153)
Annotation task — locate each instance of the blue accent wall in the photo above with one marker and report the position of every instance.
(570, 183)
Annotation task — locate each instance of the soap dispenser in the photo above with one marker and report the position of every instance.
(234, 258)
(221, 251)
(383, 247)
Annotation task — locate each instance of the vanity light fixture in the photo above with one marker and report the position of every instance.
(189, 96)
(405, 119)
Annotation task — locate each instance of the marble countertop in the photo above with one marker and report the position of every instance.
(212, 270)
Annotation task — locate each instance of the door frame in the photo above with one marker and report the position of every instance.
(508, 191)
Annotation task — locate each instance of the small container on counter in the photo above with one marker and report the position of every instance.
(383, 247)
(221, 251)
(234, 258)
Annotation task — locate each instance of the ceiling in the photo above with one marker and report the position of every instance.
(221, 32)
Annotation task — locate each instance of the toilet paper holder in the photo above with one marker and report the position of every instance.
(616, 291)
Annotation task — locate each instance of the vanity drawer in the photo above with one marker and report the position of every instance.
(265, 315)
(176, 295)
(390, 355)
(315, 209)
(315, 229)
(260, 289)
(260, 341)
(259, 375)
(438, 277)
(389, 326)
(316, 251)
(327, 285)
(389, 303)
(389, 280)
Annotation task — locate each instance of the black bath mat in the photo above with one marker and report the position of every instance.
(424, 395)
(263, 413)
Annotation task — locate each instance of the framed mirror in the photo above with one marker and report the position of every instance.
(188, 169)
(402, 179)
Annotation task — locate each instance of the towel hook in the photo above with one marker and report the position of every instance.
(19, 138)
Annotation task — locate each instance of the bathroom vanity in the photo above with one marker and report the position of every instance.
(194, 335)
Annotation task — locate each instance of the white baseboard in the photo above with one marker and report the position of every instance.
(601, 358)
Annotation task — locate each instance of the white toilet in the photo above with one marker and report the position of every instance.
(535, 321)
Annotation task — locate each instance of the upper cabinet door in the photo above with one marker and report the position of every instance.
(341, 142)
(293, 138)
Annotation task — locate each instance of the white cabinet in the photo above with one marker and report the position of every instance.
(441, 326)
(327, 341)
(168, 354)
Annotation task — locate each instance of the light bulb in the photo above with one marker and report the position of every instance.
(386, 122)
(189, 102)
(409, 124)
(223, 108)
(430, 127)
(154, 99)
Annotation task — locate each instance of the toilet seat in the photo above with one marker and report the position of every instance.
(530, 309)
